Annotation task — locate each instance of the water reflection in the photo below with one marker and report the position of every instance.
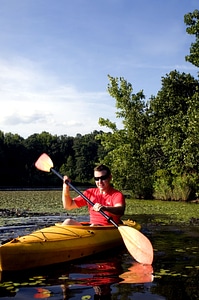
(101, 276)
(115, 275)
(97, 279)
(138, 273)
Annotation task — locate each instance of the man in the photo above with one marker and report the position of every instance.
(104, 197)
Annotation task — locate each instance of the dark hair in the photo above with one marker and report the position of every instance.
(103, 168)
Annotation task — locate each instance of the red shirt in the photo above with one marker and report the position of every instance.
(110, 198)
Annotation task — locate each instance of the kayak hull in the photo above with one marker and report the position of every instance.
(56, 244)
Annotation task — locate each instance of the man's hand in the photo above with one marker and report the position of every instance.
(97, 206)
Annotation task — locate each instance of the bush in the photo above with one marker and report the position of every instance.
(181, 188)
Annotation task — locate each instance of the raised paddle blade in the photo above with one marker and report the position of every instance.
(44, 163)
(137, 244)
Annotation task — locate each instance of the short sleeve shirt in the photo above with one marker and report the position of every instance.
(111, 198)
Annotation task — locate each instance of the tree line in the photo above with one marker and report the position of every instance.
(155, 155)
(74, 156)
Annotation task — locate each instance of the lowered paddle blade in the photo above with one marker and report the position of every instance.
(137, 244)
(44, 163)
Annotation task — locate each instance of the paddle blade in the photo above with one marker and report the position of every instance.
(137, 244)
(44, 163)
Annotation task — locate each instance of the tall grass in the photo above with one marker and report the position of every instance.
(179, 189)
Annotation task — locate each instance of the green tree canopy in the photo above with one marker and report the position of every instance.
(192, 22)
(125, 147)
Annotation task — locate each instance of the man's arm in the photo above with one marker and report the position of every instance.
(68, 202)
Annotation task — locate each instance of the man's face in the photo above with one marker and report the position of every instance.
(102, 181)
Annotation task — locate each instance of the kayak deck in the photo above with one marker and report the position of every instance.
(56, 244)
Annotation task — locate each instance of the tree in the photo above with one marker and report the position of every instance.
(14, 160)
(192, 22)
(125, 147)
(156, 138)
(85, 155)
(173, 116)
(169, 119)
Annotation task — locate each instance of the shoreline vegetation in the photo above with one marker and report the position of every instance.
(33, 203)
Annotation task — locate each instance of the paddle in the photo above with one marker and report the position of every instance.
(137, 244)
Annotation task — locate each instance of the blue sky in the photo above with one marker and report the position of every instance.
(56, 54)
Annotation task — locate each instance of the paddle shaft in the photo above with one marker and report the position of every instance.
(84, 197)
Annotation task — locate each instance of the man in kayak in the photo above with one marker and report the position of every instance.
(104, 197)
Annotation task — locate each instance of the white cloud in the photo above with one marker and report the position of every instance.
(33, 101)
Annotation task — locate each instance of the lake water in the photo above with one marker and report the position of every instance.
(174, 273)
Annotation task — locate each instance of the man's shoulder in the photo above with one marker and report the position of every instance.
(115, 191)
(91, 190)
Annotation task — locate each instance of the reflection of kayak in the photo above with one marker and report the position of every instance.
(56, 244)
(138, 273)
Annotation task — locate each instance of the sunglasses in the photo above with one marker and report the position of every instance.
(104, 177)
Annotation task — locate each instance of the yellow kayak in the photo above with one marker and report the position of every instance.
(58, 243)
